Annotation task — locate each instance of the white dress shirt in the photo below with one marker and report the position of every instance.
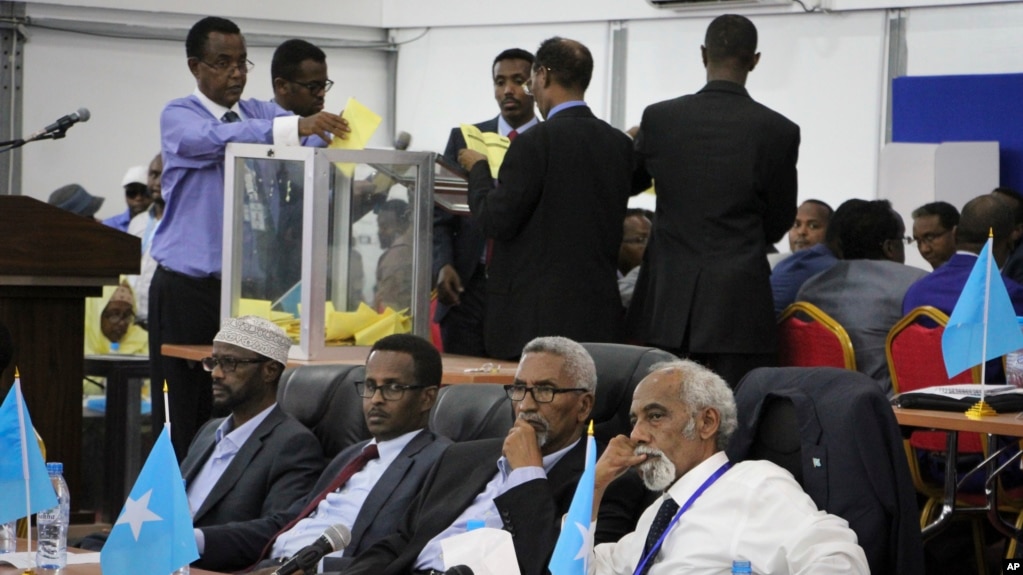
(755, 511)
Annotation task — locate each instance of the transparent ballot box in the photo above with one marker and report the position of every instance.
(333, 245)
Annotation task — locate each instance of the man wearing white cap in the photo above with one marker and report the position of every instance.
(258, 460)
(136, 195)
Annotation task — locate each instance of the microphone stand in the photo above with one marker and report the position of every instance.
(13, 144)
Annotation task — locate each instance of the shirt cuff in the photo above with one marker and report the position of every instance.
(200, 540)
(521, 475)
(286, 131)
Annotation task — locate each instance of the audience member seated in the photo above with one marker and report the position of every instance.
(76, 200)
(394, 268)
(531, 486)
(712, 512)
(807, 230)
(1014, 266)
(136, 195)
(790, 274)
(256, 462)
(110, 323)
(369, 486)
(933, 228)
(635, 233)
(863, 292)
(941, 288)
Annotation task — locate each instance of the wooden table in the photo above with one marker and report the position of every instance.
(82, 569)
(457, 368)
(952, 422)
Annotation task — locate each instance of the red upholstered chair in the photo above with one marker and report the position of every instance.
(435, 338)
(808, 337)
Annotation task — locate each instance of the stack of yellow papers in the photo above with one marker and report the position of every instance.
(491, 144)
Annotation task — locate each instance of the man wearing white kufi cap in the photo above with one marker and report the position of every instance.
(258, 460)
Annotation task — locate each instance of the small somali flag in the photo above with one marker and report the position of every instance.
(153, 535)
(22, 470)
(575, 544)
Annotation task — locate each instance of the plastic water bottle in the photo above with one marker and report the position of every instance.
(8, 537)
(53, 522)
(1014, 363)
(181, 571)
(741, 567)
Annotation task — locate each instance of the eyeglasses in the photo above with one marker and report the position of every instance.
(540, 393)
(243, 66)
(314, 87)
(528, 86)
(638, 240)
(390, 391)
(929, 239)
(228, 364)
(126, 316)
(902, 240)
(132, 193)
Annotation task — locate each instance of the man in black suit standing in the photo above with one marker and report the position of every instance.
(555, 214)
(725, 168)
(459, 248)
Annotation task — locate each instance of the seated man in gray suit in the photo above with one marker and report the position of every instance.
(255, 462)
(371, 495)
(863, 291)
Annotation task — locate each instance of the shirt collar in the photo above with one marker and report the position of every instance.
(549, 461)
(687, 484)
(226, 430)
(564, 105)
(503, 127)
(392, 447)
(214, 108)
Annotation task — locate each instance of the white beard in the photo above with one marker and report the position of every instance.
(657, 472)
(541, 436)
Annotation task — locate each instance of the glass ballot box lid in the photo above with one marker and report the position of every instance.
(332, 245)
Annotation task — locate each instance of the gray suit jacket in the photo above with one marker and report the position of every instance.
(865, 297)
(275, 467)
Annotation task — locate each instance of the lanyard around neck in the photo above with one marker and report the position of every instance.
(657, 546)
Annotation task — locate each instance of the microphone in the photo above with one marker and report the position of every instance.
(335, 538)
(459, 570)
(402, 140)
(65, 122)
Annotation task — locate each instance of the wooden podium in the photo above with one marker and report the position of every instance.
(50, 261)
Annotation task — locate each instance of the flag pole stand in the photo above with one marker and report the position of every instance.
(980, 410)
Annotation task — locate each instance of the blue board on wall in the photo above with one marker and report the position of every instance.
(935, 109)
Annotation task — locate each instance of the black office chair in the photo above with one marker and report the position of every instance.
(619, 368)
(471, 411)
(835, 431)
(324, 399)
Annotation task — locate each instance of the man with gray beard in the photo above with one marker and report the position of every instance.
(537, 468)
(712, 512)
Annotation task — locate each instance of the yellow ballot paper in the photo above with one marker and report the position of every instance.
(363, 122)
(491, 144)
(256, 307)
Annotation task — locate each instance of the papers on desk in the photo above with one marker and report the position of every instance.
(961, 390)
(27, 559)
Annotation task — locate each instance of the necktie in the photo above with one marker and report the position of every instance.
(354, 466)
(512, 135)
(229, 117)
(661, 521)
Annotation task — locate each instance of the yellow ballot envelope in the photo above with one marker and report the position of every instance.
(363, 123)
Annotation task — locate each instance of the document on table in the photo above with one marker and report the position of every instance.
(961, 390)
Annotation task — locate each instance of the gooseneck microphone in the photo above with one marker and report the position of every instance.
(62, 124)
(335, 538)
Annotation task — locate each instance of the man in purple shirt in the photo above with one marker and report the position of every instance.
(184, 300)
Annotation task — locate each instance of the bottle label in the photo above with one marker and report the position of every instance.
(49, 516)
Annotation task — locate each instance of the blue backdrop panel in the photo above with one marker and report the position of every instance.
(935, 109)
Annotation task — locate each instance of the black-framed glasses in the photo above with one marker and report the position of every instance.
(904, 240)
(928, 239)
(540, 393)
(314, 87)
(244, 66)
(227, 363)
(390, 391)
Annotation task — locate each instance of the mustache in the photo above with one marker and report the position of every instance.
(647, 450)
(530, 417)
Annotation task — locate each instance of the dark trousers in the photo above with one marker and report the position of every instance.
(462, 325)
(182, 310)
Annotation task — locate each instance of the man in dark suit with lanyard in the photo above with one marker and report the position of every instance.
(459, 248)
(725, 168)
(555, 214)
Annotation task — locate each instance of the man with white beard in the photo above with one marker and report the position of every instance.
(712, 512)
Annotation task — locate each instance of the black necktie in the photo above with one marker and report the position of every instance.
(664, 516)
(230, 116)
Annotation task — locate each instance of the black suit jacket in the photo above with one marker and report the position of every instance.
(725, 171)
(457, 240)
(556, 219)
(531, 512)
(852, 460)
(275, 467)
